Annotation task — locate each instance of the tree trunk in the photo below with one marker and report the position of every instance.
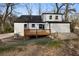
(66, 12)
(39, 9)
(2, 27)
(57, 11)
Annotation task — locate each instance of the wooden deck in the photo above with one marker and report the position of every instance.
(34, 32)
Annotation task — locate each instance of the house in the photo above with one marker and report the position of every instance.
(39, 25)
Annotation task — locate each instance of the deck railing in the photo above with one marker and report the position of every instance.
(29, 32)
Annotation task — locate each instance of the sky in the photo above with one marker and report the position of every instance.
(77, 7)
(44, 6)
(21, 9)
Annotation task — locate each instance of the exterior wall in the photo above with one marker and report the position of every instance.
(55, 27)
(19, 28)
(36, 25)
(47, 27)
(46, 17)
(60, 27)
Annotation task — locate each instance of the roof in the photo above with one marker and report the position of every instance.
(28, 18)
(58, 22)
(53, 13)
(32, 18)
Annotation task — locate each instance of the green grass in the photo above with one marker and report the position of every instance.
(50, 43)
(54, 43)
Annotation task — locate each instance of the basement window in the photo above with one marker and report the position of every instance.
(50, 17)
(25, 25)
(56, 17)
(33, 25)
(41, 26)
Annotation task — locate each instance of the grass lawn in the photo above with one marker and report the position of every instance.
(40, 41)
(39, 46)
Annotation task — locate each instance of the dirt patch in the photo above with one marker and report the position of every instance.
(64, 36)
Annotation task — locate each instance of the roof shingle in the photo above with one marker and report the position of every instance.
(28, 18)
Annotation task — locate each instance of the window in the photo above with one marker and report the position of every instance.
(41, 26)
(25, 25)
(56, 17)
(50, 17)
(33, 25)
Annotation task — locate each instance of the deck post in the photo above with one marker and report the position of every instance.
(49, 29)
(36, 33)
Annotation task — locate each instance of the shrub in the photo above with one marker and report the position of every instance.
(8, 28)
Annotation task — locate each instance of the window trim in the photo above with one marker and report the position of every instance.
(50, 17)
(56, 17)
(33, 25)
(25, 25)
(42, 26)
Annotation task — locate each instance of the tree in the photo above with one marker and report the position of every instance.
(39, 9)
(68, 10)
(59, 6)
(29, 8)
(8, 9)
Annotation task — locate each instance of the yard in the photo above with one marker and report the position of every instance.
(63, 27)
(40, 47)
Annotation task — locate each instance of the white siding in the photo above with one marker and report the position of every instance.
(30, 26)
(55, 27)
(19, 28)
(60, 27)
(36, 25)
(46, 17)
(46, 25)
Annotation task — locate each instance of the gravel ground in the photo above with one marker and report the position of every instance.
(2, 36)
(6, 37)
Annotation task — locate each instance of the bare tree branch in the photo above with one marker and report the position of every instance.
(39, 5)
(29, 8)
(68, 10)
(59, 7)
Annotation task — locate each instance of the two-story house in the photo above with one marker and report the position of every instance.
(39, 25)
